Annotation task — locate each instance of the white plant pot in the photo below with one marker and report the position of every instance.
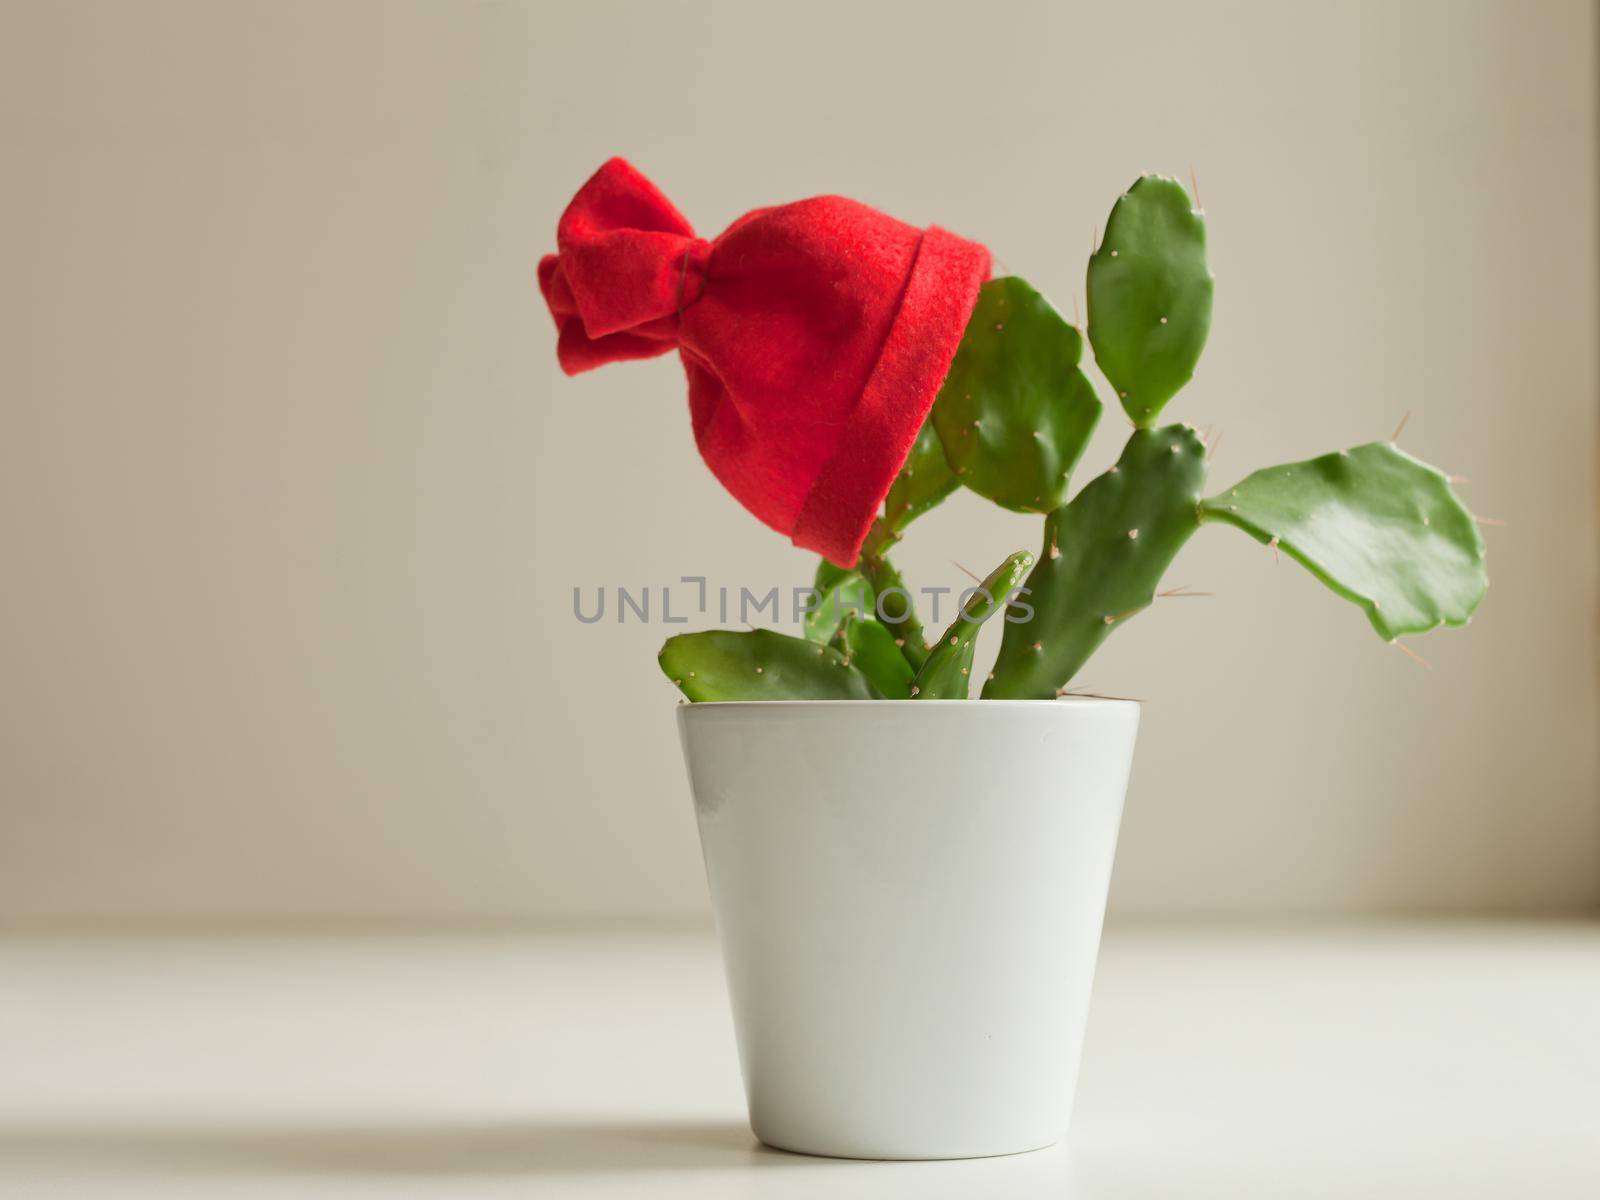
(909, 896)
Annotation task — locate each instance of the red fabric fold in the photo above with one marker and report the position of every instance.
(815, 336)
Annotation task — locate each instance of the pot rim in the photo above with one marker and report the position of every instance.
(1063, 702)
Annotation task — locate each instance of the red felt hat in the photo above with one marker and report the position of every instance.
(815, 336)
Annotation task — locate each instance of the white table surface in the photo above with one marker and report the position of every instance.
(1410, 1060)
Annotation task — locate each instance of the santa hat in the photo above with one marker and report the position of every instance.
(815, 336)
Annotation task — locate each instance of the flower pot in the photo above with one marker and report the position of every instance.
(909, 896)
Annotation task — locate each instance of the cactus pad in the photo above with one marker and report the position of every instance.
(759, 664)
(897, 611)
(947, 673)
(925, 479)
(1016, 410)
(1150, 296)
(1103, 556)
(1377, 526)
(839, 592)
(869, 647)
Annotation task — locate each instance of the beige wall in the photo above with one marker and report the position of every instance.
(293, 498)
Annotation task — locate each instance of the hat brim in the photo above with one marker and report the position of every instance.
(940, 294)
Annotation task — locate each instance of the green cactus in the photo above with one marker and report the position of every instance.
(948, 671)
(758, 664)
(1150, 296)
(839, 592)
(1103, 556)
(894, 605)
(1377, 526)
(868, 645)
(923, 481)
(1016, 411)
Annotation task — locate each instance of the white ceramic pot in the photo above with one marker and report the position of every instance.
(909, 896)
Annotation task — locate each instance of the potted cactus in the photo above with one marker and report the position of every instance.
(910, 894)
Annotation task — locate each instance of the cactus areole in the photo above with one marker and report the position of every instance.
(848, 372)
